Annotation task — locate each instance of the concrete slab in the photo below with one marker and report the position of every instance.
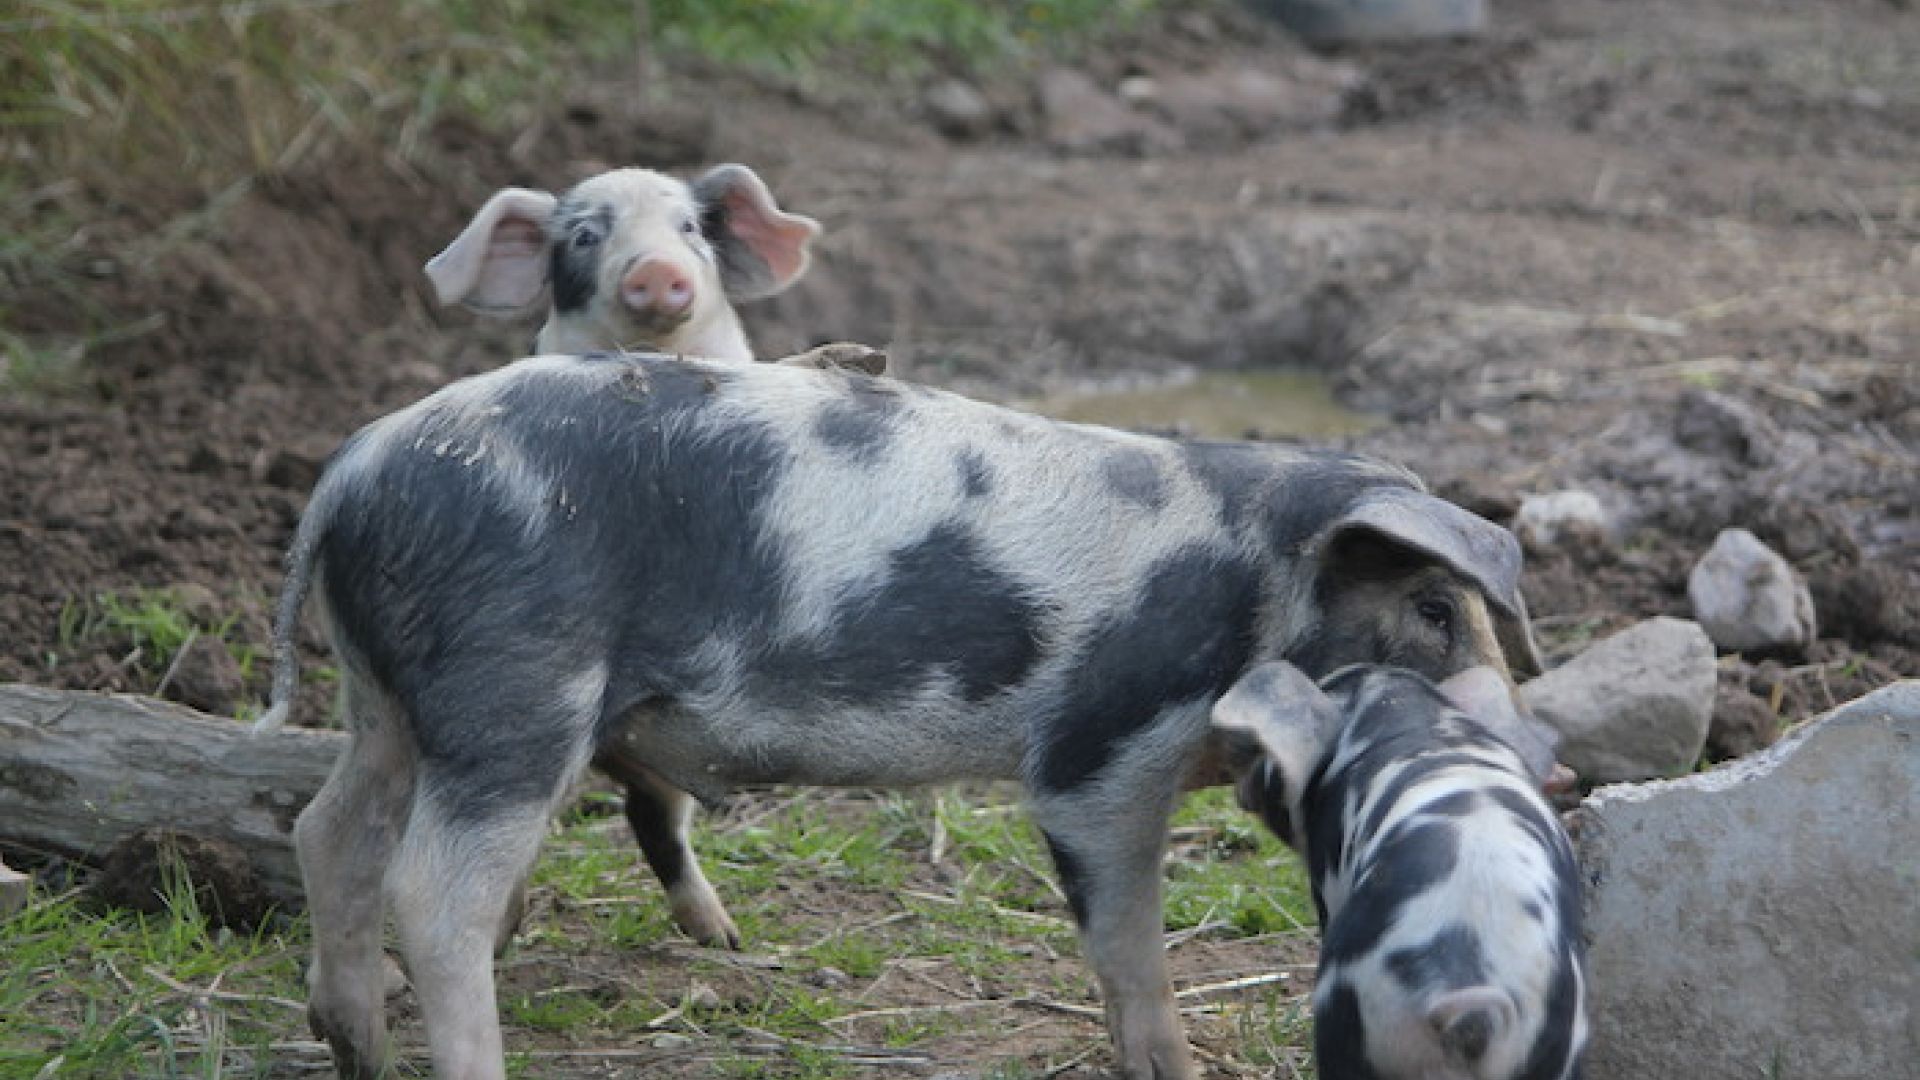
(1763, 920)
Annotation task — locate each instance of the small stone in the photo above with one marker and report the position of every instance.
(1138, 89)
(15, 887)
(828, 978)
(1546, 521)
(701, 997)
(959, 110)
(1634, 706)
(1230, 103)
(671, 1040)
(1866, 97)
(1748, 598)
(1714, 423)
(205, 677)
(1080, 117)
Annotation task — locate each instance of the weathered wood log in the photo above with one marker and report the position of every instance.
(80, 772)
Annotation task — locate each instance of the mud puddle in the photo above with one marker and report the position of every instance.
(1218, 405)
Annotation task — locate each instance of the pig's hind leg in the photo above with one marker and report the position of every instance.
(660, 814)
(493, 763)
(345, 839)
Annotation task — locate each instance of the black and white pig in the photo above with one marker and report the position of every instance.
(631, 259)
(1448, 896)
(730, 574)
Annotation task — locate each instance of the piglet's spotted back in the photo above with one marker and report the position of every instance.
(1447, 892)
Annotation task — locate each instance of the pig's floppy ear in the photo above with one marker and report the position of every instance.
(498, 263)
(761, 248)
(1277, 708)
(1482, 694)
(1472, 546)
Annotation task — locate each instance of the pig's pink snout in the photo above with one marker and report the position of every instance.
(656, 286)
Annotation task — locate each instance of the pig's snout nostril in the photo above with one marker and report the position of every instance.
(657, 287)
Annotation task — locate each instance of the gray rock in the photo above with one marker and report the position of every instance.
(1761, 919)
(1544, 521)
(1722, 426)
(15, 887)
(1748, 598)
(1231, 103)
(959, 110)
(1634, 706)
(1079, 116)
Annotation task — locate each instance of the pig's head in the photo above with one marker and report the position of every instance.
(1407, 579)
(632, 259)
(1278, 725)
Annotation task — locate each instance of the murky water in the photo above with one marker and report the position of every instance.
(1221, 405)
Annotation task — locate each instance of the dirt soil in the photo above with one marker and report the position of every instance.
(1669, 253)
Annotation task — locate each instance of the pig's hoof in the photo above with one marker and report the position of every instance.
(709, 926)
(351, 1060)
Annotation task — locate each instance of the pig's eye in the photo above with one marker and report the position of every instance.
(585, 237)
(690, 228)
(1437, 611)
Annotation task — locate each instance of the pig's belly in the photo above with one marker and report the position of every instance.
(708, 751)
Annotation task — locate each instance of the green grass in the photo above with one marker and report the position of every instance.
(148, 627)
(1243, 877)
(816, 880)
(119, 994)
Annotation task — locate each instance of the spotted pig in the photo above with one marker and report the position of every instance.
(1448, 896)
(726, 574)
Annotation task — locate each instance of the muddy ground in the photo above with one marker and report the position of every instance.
(1666, 252)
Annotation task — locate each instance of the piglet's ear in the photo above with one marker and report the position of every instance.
(1280, 709)
(762, 249)
(1487, 697)
(498, 263)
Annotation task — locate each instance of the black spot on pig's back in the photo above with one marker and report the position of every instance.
(943, 607)
(860, 422)
(1134, 475)
(1187, 635)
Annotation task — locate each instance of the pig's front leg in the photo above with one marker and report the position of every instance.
(1108, 836)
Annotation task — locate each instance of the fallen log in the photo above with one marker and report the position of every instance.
(80, 773)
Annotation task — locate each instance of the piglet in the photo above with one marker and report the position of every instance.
(1447, 892)
(634, 259)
